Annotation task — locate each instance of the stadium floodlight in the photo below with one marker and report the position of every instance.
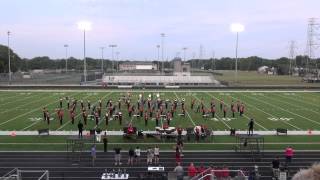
(102, 59)
(236, 28)
(158, 48)
(112, 46)
(184, 53)
(84, 26)
(66, 47)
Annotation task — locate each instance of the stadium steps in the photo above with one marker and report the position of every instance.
(61, 168)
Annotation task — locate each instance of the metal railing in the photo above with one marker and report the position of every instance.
(16, 174)
(215, 175)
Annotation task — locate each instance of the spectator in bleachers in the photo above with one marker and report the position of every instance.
(130, 156)
(180, 146)
(192, 170)
(137, 154)
(150, 155)
(275, 167)
(179, 171)
(288, 154)
(156, 154)
(225, 172)
(201, 170)
(178, 155)
(93, 154)
(312, 173)
(117, 156)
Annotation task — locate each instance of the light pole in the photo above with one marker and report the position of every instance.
(163, 35)
(9, 59)
(184, 53)
(117, 58)
(236, 27)
(66, 47)
(158, 59)
(112, 46)
(84, 26)
(102, 59)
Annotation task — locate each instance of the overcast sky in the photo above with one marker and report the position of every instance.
(42, 27)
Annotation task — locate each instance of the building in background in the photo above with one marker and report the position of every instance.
(138, 66)
(181, 68)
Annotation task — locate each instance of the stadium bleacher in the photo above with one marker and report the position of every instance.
(160, 80)
(61, 168)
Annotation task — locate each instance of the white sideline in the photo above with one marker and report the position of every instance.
(161, 90)
(120, 133)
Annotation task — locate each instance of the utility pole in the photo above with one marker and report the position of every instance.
(117, 58)
(292, 49)
(158, 59)
(9, 63)
(213, 62)
(163, 35)
(313, 39)
(66, 48)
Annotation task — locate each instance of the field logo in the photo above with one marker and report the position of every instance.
(279, 119)
(35, 119)
(222, 119)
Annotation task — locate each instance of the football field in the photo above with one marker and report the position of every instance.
(22, 110)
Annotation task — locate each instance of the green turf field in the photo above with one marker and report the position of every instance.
(293, 110)
(22, 111)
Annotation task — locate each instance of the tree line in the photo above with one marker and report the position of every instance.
(246, 64)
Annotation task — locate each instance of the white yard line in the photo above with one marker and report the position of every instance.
(21, 115)
(266, 113)
(285, 110)
(243, 114)
(39, 121)
(18, 99)
(31, 102)
(216, 115)
(186, 111)
(307, 109)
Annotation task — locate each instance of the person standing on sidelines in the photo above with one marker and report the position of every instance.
(250, 127)
(105, 142)
(80, 128)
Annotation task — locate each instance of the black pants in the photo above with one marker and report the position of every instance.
(80, 133)
(105, 147)
(250, 131)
